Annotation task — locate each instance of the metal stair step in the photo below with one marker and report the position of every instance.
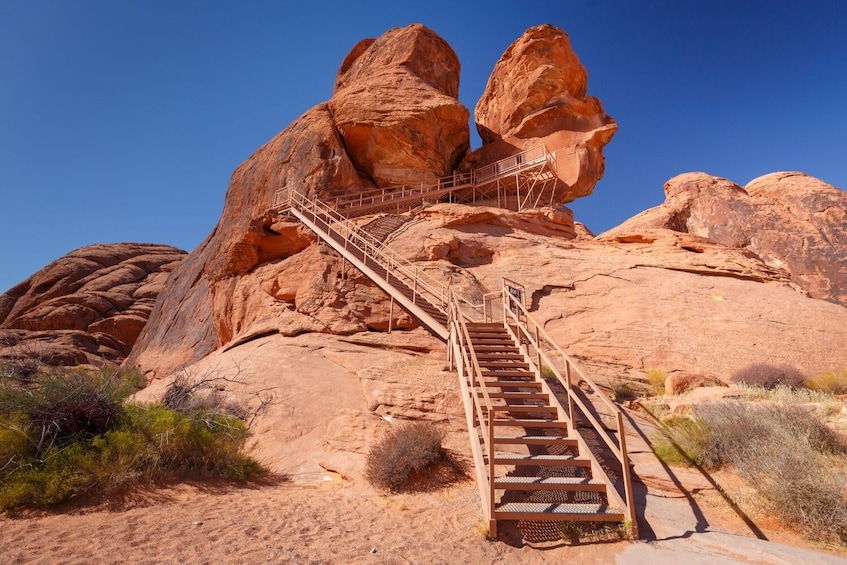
(499, 356)
(520, 460)
(583, 484)
(503, 373)
(536, 440)
(509, 364)
(517, 395)
(513, 384)
(529, 423)
(524, 409)
(557, 511)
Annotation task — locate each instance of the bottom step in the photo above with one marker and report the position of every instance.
(557, 511)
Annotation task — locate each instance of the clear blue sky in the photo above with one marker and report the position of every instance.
(122, 120)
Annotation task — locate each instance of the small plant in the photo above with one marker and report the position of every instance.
(769, 376)
(622, 390)
(404, 453)
(795, 463)
(828, 383)
(656, 378)
(66, 432)
(593, 531)
(548, 373)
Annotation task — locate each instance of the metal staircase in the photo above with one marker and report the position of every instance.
(531, 461)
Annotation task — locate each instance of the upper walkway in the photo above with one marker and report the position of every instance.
(523, 179)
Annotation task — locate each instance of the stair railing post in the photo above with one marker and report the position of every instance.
(627, 478)
(391, 314)
(537, 349)
(415, 286)
(569, 386)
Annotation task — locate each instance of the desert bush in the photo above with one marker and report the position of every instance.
(769, 376)
(656, 378)
(70, 432)
(828, 383)
(622, 390)
(794, 462)
(404, 453)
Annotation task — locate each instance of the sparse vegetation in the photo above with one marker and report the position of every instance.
(622, 389)
(656, 379)
(65, 432)
(582, 532)
(548, 373)
(404, 454)
(828, 383)
(796, 464)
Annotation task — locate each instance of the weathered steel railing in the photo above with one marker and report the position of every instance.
(545, 354)
(371, 248)
(479, 408)
(416, 193)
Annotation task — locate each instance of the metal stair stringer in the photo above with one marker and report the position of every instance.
(337, 233)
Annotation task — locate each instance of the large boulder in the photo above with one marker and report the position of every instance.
(393, 118)
(788, 220)
(537, 94)
(86, 307)
(395, 106)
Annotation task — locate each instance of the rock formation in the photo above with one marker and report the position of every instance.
(393, 118)
(395, 104)
(788, 220)
(537, 94)
(88, 306)
(638, 299)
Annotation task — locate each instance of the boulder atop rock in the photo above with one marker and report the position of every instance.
(395, 107)
(790, 221)
(537, 95)
(86, 307)
(393, 118)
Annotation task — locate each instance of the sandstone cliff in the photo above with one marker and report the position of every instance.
(87, 307)
(789, 220)
(393, 118)
(537, 94)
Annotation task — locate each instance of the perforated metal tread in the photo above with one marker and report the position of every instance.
(549, 483)
(554, 511)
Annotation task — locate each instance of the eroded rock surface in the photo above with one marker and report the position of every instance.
(632, 300)
(395, 104)
(789, 220)
(537, 94)
(392, 118)
(86, 307)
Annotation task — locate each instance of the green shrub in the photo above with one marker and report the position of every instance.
(70, 432)
(656, 378)
(404, 453)
(829, 383)
(795, 463)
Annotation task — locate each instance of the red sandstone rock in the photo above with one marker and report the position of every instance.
(682, 381)
(395, 106)
(790, 221)
(537, 94)
(87, 306)
(393, 118)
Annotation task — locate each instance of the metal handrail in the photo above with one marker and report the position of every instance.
(531, 157)
(393, 263)
(535, 334)
(471, 380)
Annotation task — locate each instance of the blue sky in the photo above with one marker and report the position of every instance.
(122, 120)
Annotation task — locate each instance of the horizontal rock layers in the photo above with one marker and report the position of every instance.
(88, 306)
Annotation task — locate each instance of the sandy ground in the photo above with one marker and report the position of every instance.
(335, 522)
